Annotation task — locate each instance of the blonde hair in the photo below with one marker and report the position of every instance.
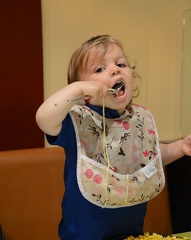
(80, 57)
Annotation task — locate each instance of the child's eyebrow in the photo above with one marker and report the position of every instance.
(96, 62)
(94, 66)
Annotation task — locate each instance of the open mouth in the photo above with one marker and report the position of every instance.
(119, 89)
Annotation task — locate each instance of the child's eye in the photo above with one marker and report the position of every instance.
(121, 65)
(100, 69)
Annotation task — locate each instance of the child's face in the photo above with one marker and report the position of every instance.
(110, 69)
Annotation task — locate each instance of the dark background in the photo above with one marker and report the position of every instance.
(179, 185)
(21, 73)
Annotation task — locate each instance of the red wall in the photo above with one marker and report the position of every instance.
(21, 73)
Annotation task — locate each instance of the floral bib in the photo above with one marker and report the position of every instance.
(119, 161)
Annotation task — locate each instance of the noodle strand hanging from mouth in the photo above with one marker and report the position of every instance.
(105, 151)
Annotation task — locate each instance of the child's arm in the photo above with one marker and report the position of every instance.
(52, 112)
(173, 151)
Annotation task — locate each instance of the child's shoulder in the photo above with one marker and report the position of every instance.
(137, 106)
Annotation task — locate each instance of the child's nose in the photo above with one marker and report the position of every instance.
(115, 71)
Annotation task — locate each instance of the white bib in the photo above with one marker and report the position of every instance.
(134, 173)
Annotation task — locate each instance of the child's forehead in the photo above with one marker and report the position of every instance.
(98, 52)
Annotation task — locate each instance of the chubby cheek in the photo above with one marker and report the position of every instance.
(129, 91)
(131, 81)
(83, 75)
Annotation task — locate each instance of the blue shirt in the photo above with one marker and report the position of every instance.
(82, 220)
